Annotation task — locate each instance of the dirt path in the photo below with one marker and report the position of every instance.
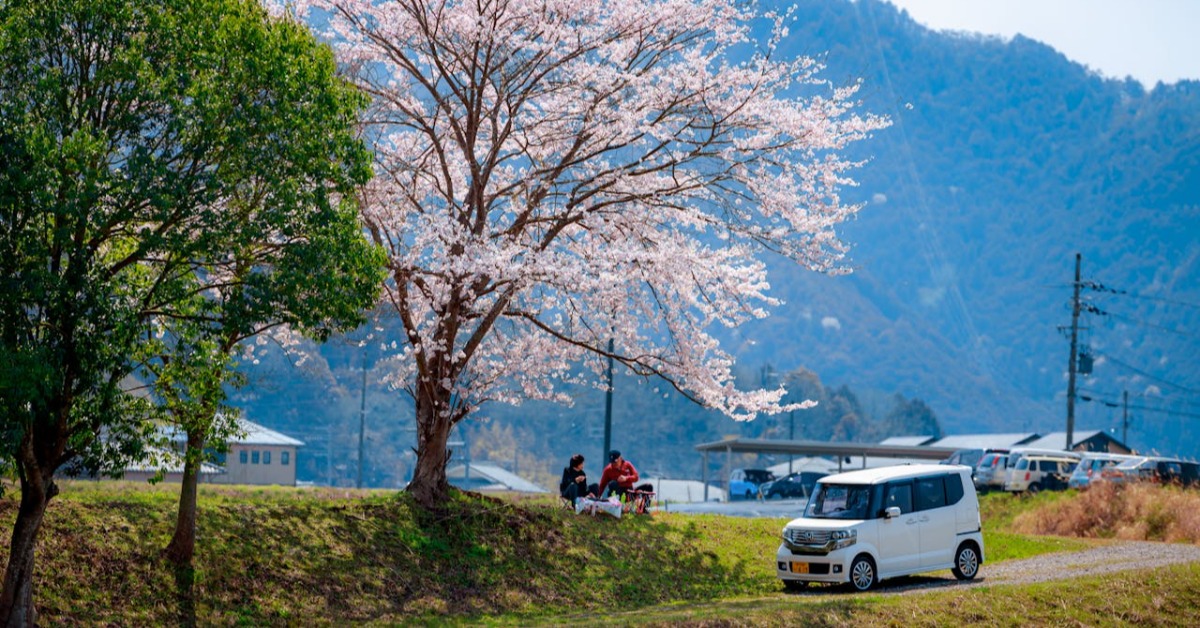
(1108, 558)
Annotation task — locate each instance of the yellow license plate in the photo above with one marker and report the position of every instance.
(799, 567)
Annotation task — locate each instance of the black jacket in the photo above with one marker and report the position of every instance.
(568, 478)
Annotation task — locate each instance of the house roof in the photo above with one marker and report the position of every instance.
(167, 462)
(907, 441)
(256, 434)
(1058, 440)
(502, 478)
(985, 441)
(251, 434)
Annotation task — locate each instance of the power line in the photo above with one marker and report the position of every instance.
(1111, 395)
(1143, 323)
(1147, 297)
(1147, 375)
(1115, 404)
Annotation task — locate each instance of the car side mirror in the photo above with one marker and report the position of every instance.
(891, 512)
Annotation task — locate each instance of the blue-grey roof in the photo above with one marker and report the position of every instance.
(985, 441)
(256, 434)
(505, 479)
(1058, 440)
(251, 434)
(907, 441)
(167, 462)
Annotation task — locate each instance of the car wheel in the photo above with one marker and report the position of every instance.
(862, 573)
(794, 585)
(966, 562)
(1035, 488)
(749, 495)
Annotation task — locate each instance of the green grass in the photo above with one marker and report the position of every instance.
(332, 557)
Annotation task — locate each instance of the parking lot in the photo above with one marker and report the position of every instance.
(775, 508)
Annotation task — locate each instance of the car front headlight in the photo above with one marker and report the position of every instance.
(843, 538)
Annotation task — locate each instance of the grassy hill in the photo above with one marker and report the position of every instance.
(271, 556)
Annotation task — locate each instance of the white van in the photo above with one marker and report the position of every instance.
(1014, 458)
(1037, 472)
(865, 526)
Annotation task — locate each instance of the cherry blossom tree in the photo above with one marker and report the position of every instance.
(555, 174)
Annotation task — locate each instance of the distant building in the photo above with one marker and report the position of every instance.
(1085, 440)
(481, 476)
(260, 456)
(170, 464)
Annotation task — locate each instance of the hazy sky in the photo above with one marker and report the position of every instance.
(1150, 40)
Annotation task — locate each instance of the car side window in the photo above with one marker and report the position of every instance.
(931, 493)
(954, 488)
(900, 495)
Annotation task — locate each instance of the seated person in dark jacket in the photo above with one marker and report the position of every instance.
(574, 481)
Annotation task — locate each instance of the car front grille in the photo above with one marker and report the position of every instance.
(806, 537)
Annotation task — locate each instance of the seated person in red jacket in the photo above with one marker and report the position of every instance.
(618, 476)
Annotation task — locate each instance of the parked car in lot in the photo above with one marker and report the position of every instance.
(1017, 453)
(1092, 465)
(869, 525)
(1154, 469)
(969, 457)
(1038, 472)
(744, 483)
(795, 485)
(992, 470)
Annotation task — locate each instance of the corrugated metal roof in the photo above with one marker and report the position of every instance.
(252, 434)
(1058, 440)
(167, 462)
(985, 441)
(908, 441)
(259, 435)
(509, 480)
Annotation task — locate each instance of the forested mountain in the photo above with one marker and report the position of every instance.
(1005, 159)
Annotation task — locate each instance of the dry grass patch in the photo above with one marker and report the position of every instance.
(1141, 512)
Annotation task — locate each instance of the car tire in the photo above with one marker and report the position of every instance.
(794, 585)
(749, 495)
(966, 562)
(1035, 488)
(862, 573)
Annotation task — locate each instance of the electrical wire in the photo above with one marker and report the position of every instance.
(1145, 374)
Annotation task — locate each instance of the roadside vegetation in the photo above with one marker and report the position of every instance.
(1138, 511)
(327, 556)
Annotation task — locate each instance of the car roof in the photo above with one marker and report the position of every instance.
(895, 472)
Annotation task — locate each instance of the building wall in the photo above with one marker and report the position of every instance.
(259, 464)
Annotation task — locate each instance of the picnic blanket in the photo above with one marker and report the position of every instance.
(592, 506)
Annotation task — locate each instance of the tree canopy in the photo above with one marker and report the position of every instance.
(160, 162)
(553, 175)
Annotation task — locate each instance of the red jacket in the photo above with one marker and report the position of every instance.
(611, 472)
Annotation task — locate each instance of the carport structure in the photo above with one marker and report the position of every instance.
(840, 450)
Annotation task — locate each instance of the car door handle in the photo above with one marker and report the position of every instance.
(911, 521)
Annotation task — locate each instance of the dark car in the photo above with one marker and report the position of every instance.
(794, 485)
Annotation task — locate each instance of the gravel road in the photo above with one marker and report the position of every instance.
(1102, 559)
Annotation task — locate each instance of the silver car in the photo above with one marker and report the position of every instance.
(991, 472)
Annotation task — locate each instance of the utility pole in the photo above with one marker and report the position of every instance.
(1125, 421)
(791, 436)
(1072, 363)
(608, 408)
(362, 417)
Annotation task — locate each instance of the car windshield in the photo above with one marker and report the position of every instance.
(839, 501)
(987, 462)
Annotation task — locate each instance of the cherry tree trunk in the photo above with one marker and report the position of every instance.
(16, 599)
(182, 547)
(429, 486)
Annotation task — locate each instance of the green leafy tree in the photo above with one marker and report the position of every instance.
(150, 189)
